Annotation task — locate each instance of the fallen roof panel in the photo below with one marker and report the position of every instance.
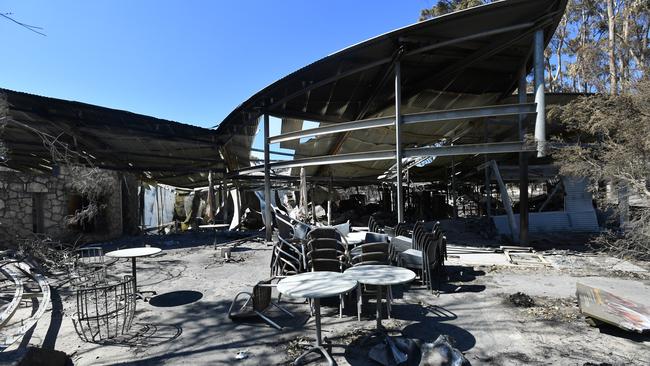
(165, 151)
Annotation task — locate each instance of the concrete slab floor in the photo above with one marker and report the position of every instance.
(186, 324)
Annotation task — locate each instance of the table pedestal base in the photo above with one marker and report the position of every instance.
(318, 347)
(140, 295)
(315, 349)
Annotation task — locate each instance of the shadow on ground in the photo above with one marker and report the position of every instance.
(175, 298)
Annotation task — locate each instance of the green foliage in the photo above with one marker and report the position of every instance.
(607, 139)
(610, 137)
(581, 57)
(447, 6)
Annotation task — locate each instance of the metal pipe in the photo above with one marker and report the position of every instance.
(469, 149)
(454, 196)
(329, 202)
(267, 182)
(488, 186)
(540, 121)
(398, 140)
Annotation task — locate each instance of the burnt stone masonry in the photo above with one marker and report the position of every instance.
(39, 204)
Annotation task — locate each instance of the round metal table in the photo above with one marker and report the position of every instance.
(380, 275)
(316, 285)
(134, 253)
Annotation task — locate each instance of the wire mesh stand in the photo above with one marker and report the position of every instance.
(105, 312)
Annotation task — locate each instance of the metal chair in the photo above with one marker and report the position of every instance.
(292, 248)
(285, 260)
(260, 300)
(373, 226)
(401, 229)
(88, 268)
(433, 263)
(327, 254)
(367, 254)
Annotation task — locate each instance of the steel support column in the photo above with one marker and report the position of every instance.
(540, 121)
(267, 182)
(398, 140)
(523, 170)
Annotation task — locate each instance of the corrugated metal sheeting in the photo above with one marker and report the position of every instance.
(579, 214)
(463, 59)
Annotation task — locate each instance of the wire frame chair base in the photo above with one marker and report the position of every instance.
(105, 312)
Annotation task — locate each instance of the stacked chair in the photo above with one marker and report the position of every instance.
(375, 250)
(401, 229)
(288, 252)
(432, 247)
(325, 252)
(373, 227)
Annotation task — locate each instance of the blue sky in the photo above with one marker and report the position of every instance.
(188, 61)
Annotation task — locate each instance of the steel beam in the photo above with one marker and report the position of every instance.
(540, 121)
(335, 128)
(398, 141)
(507, 203)
(267, 181)
(436, 116)
(473, 149)
(470, 149)
(523, 169)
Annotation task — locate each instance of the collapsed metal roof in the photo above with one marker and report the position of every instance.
(464, 59)
(164, 151)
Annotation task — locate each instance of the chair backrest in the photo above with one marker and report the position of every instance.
(371, 253)
(416, 238)
(90, 256)
(325, 254)
(372, 225)
(401, 229)
(262, 295)
(301, 230)
(376, 238)
(323, 232)
(323, 243)
(325, 247)
(285, 228)
(434, 257)
(285, 258)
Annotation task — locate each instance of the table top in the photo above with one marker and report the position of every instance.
(316, 284)
(134, 252)
(356, 237)
(381, 275)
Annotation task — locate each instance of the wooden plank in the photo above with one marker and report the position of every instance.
(612, 309)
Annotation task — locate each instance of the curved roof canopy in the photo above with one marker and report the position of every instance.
(463, 59)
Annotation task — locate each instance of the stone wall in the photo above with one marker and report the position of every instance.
(40, 203)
